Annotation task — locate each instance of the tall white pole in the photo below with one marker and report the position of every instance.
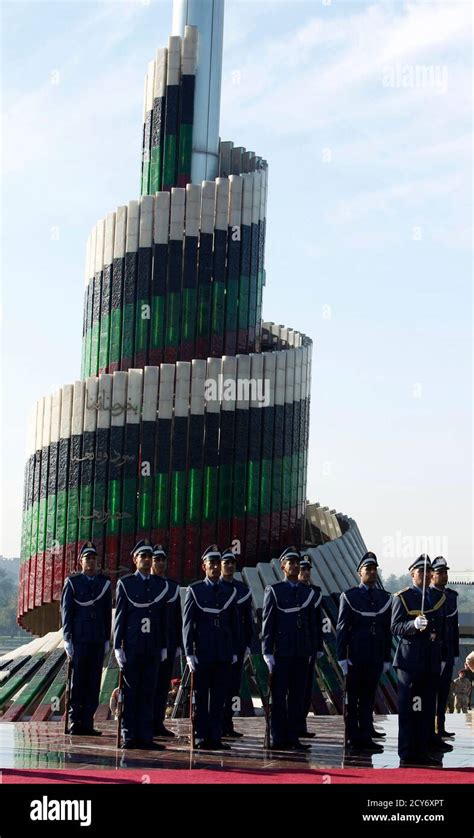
(208, 16)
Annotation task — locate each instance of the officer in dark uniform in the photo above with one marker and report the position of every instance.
(175, 628)
(289, 640)
(363, 643)
(420, 627)
(140, 642)
(439, 582)
(210, 635)
(86, 613)
(244, 611)
(304, 577)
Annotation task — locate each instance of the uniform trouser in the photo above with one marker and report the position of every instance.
(233, 692)
(461, 704)
(288, 685)
(85, 687)
(139, 683)
(443, 692)
(416, 712)
(361, 686)
(165, 673)
(211, 682)
(308, 692)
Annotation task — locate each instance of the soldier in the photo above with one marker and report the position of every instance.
(419, 659)
(304, 577)
(244, 611)
(86, 613)
(363, 642)
(140, 642)
(210, 635)
(175, 627)
(439, 583)
(289, 640)
(462, 692)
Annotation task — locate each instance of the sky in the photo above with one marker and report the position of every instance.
(363, 113)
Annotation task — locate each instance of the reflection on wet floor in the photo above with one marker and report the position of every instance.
(44, 745)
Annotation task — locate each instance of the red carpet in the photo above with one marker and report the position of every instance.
(203, 776)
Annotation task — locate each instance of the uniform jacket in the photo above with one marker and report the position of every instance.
(175, 618)
(319, 617)
(244, 613)
(289, 623)
(86, 608)
(452, 624)
(462, 687)
(210, 622)
(363, 626)
(141, 614)
(419, 652)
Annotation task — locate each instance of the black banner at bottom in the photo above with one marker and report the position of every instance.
(56, 809)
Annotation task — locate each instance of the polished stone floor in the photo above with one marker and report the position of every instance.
(44, 745)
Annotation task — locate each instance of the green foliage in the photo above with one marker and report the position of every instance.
(8, 598)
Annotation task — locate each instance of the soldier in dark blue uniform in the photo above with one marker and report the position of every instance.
(140, 642)
(304, 577)
(175, 628)
(86, 612)
(439, 582)
(289, 640)
(420, 627)
(244, 611)
(363, 643)
(210, 635)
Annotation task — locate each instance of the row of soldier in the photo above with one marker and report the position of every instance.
(215, 633)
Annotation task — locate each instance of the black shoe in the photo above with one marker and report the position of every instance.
(218, 745)
(92, 732)
(232, 734)
(377, 734)
(128, 745)
(366, 745)
(415, 761)
(279, 746)
(298, 746)
(305, 734)
(149, 745)
(438, 745)
(446, 735)
(202, 745)
(164, 732)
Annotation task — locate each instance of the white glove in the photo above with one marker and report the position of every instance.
(192, 662)
(120, 657)
(270, 661)
(69, 648)
(344, 666)
(106, 647)
(164, 654)
(246, 654)
(234, 659)
(443, 664)
(421, 622)
(386, 665)
(178, 652)
(319, 655)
